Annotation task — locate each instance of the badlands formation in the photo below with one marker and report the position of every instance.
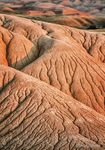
(84, 14)
(51, 7)
(52, 86)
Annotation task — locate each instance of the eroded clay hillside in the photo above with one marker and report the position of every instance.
(54, 98)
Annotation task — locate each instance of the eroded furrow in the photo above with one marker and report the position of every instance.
(45, 118)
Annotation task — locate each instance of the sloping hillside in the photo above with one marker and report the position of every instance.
(52, 86)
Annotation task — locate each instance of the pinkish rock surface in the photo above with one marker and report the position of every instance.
(54, 98)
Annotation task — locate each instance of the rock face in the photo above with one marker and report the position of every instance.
(54, 98)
